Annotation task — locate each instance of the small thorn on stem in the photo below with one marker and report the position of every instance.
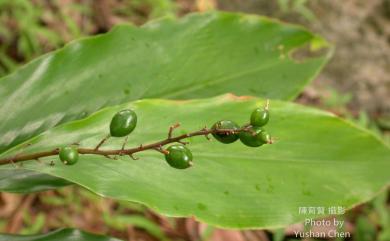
(13, 163)
(183, 142)
(206, 134)
(133, 157)
(272, 140)
(109, 157)
(102, 142)
(12, 160)
(246, 127)
(76, 144)
(159, 149)
(171, 128)
(266, 107)
(123, 146)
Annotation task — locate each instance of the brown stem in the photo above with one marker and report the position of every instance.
(96, 151)
(171, 128)
(102, 142)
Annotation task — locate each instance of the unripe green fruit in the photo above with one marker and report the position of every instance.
(266, 137)
(254, 137)
(123, 123)
(259, 117)
(179, 156)
(69, 155)
(226, 125)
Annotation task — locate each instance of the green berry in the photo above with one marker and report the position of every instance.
(255, 136)
(259, 117)
(179, 156)
(69, 155)
(225, 125)
(266, 137)
(123, 123)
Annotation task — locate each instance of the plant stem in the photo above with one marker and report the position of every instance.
(123, 152)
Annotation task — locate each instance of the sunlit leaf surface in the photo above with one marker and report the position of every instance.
(318, 160)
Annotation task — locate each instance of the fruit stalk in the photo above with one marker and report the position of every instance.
(123, 152)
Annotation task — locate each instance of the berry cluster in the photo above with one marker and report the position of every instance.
(178, 155)
(252, 135)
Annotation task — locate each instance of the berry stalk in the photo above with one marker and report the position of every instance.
(126, 152)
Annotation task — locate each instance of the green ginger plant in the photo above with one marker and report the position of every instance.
(180, 70)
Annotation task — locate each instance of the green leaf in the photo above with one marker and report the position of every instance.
(365, 230)
(201, 55)
(318, 160)
(23, 181)
(65, 234)
(121, 222)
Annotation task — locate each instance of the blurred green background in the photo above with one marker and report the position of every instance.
(354, 85)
